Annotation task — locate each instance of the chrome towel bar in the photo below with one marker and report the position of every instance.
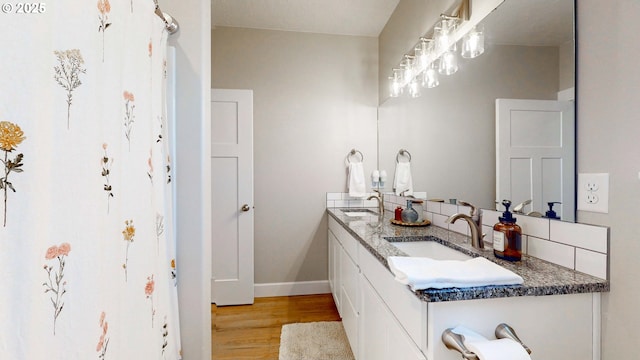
(403, 152)
(354, 152)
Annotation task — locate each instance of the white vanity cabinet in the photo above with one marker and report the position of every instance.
(381, 336)
(372, 329)
(384, 319)
(344, 274)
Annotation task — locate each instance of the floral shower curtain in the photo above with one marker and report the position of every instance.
(86, 243)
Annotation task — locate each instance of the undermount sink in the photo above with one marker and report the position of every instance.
(359, 212)
(430, 249)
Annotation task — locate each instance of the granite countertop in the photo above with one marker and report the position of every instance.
(540, 277)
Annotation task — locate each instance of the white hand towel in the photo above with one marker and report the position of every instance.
(357, 186)
(424, 273)
(402, 182)
(501, 349)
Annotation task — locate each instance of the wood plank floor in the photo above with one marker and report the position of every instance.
(253, 331)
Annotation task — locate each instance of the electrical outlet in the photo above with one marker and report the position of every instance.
(592, 186)
(592, 198)
(593, 192)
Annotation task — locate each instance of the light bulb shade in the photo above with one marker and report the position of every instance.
(448, 63)
(473, 43)
(430, 78)
(442, 34)
(415, 88)
(407, 66)
(395, 87)
(422, 56)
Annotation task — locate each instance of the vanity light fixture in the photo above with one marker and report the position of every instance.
(437, 54)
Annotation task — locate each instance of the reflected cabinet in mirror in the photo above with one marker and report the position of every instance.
(502, 126)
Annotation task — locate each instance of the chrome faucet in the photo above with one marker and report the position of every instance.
(380, 198)
(474, 219)
(519, 209)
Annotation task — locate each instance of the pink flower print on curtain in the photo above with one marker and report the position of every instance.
(128, 234)
(128, 115)
(148, 290)
(104, 8)
(67, 73)
(103, 342)
(55, 283)
(10, 137)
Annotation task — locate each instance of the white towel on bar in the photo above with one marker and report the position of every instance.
(501, 349)
(424, 273)
(356, 183)
(402, 182)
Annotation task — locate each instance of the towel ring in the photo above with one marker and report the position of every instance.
(403, 152)
(354, 152)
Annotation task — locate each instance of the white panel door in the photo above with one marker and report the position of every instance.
(232, 197)
(535, 154)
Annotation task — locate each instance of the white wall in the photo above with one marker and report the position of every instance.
(193, 63)
(608, 87)
(315, 98)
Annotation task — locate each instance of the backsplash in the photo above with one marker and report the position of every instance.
(580, 247)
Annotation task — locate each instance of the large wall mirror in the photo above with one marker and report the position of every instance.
(450, 130)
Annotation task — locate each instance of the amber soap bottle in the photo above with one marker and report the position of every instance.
(507, 236)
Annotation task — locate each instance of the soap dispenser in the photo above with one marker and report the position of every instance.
(507, 236)
(550, 213)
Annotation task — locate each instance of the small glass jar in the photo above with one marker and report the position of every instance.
(409, 215)
(418, 206)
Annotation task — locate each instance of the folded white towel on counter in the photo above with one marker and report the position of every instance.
(402, 182)
(356, 183)
(424, 273)
(501, 349)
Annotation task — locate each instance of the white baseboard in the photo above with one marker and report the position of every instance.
(292, 288)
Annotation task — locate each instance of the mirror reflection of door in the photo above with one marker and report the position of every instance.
(535, 150)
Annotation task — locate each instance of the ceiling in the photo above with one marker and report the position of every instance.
(515, 22)
(340, 17)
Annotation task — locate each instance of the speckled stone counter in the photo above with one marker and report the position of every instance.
(540, 277)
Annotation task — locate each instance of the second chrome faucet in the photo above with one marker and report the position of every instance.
(474, 219)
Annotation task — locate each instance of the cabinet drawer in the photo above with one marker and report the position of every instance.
(409, 311)
(349, 243)
(349, 273)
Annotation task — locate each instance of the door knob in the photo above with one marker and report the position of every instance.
(245, 207)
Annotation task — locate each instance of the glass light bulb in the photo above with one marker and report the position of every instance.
(473, 43)
(408, 69)
(422, 55)
(414, 88)
(442, 34)
(448, 63)
(395, 87)
(430, 78)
